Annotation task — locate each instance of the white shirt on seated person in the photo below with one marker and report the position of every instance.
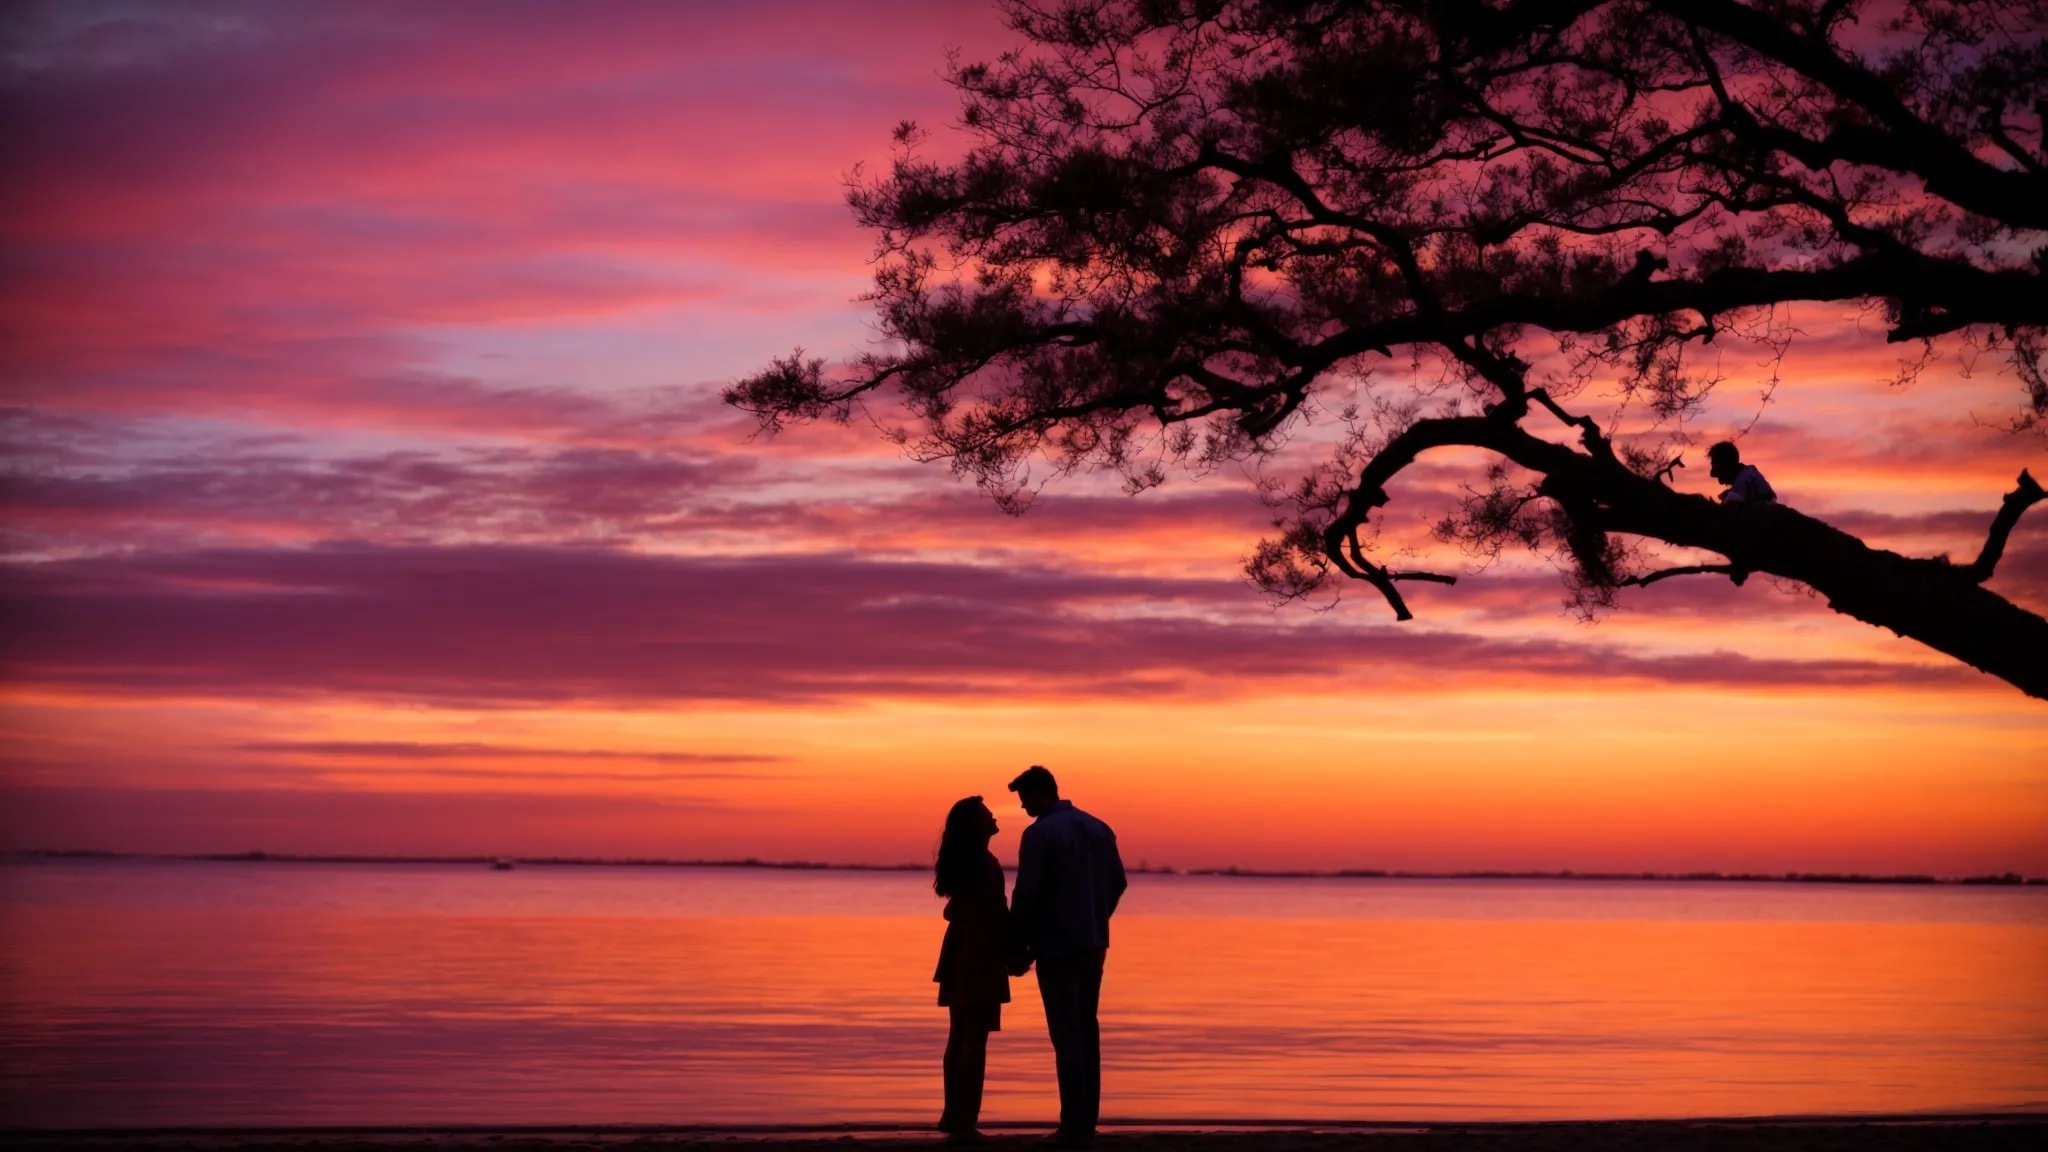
(1749, 487)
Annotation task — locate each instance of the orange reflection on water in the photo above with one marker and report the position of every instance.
(300, 994)
(1484, 1018)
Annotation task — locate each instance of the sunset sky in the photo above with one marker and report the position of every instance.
(366, 490)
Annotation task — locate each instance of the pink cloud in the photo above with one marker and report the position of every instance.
(245, 204)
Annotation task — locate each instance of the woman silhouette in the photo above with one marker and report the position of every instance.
(973, 976)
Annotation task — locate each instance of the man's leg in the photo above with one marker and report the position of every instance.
(1059, 987)
(1071, 987)
(1090, 990)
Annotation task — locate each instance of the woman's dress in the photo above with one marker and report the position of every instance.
(974, 970)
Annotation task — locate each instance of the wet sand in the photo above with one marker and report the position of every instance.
(1820, 1134)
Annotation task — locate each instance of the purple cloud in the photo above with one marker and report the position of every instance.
(510, 624)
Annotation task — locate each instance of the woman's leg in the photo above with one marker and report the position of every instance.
(949, 1119)
(966, 1065)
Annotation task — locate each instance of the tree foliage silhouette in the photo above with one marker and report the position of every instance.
(1183, 223)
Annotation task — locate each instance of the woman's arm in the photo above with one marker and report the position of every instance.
(992, 884)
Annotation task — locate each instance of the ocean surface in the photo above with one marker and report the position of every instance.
(186, 993)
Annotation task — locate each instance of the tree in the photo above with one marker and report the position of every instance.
(1181, 220)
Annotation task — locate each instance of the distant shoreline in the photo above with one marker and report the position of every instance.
(2007, 879)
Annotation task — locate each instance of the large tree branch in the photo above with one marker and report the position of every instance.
(1929, 600)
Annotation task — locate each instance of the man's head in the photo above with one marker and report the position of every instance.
(1724, 462)
(1036, 790)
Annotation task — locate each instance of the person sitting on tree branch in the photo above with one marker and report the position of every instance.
(1745, 484)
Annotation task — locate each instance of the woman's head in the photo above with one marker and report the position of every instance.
(963, 844)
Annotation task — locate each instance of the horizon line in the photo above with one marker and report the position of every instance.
(2005, 879)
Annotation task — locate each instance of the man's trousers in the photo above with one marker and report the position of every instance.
(1071, 987)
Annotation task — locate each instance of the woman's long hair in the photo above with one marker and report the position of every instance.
(962, 847)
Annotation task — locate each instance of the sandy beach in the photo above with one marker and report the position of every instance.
(1815, 1134)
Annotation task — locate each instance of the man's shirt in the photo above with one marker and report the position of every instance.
(1069, 878)
(1750, 487)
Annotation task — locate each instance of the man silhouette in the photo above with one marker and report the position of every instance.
(1069, 879)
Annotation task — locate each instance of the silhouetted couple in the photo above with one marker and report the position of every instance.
(1069, 879)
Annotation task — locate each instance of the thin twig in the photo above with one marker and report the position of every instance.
(1738, 575)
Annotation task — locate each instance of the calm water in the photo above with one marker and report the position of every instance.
(192, 994)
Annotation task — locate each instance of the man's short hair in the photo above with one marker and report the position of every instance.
(1724, 448)
(1035, 779)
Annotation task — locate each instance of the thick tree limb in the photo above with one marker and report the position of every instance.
(1930, 600)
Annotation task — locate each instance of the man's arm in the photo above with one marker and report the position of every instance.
(1117, 880)
(1025, 899)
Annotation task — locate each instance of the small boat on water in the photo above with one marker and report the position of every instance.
(501, 865)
